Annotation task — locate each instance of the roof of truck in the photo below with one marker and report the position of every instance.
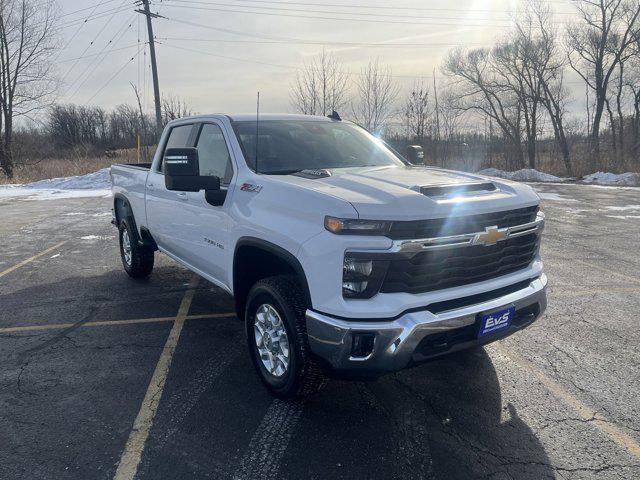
(244, 117)
(250, 117)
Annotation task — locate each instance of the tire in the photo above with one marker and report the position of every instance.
(136, 259)
(302, 376)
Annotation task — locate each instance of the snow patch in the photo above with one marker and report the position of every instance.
(555, 197)
(605, 178)
(95, 184)
(524, 175)
(99, 180)
(623, 217)
(97, 237)
(624, 208)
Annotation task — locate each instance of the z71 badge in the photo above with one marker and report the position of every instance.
(250, 187)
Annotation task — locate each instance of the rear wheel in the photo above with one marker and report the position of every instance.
(136, 259)
(277, 338)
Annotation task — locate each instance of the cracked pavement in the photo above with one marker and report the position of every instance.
(69, 396)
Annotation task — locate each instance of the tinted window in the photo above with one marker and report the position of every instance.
(178, 138)
(285, 146)
(213, 153)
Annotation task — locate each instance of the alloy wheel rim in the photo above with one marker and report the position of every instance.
(126, 247)
(271, 340)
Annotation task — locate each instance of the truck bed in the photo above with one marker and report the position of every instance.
(143, 166)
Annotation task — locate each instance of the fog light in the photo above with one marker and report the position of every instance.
(354, 287)
(361, 267)
(362, 344)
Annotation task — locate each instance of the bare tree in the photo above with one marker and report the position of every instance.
(596, 44)
(450, 112)
(545, 63)
(320, 87)
(417, 112)
(514, 73)
(27, 38)
(632, 82)
(174, 107)
(376, 92)
(143, 124)
(475, 77)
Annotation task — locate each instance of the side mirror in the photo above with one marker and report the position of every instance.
(415, 154)
(182, 171)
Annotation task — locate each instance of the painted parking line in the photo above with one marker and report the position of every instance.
(130, 460)
(31, 259)
(585, 412)
(104, 323)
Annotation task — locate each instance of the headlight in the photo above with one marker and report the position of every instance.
(362, 276)
(349, 226)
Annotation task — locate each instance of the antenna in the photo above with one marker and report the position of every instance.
(257, 126)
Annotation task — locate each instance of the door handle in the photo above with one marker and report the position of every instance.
(182, 195)
(151, 186)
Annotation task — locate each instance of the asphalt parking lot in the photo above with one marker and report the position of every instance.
(105, 376)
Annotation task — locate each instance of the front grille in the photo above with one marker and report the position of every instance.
(443, 227)
(453, 267)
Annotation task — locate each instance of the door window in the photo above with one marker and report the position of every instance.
(178, 138)
(213, 154)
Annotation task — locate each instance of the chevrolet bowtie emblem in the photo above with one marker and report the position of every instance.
(490, 236)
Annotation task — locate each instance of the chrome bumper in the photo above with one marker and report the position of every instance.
(397, 341)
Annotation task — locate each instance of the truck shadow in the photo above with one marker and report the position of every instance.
(443, 419)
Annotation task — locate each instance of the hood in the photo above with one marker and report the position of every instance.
(413, 193)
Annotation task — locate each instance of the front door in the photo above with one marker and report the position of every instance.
(207, 220)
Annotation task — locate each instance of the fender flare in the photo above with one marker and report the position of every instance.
(279, 252)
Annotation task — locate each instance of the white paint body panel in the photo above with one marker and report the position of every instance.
(289, 212)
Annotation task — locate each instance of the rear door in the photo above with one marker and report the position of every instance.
(165, 208)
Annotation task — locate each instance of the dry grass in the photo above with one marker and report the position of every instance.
(66, 167)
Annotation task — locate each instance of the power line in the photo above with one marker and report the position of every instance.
(66, 60)
(75, 33)
(306, 10)
(316, 17)
(99, 4)
(319, 42)
(90, 44)
(97, 16)
(93, 65)
(386, 7)
(112, 77)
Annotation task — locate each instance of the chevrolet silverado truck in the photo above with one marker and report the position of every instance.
(342, 257)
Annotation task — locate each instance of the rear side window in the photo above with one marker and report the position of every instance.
(214, 154)
(178, 138)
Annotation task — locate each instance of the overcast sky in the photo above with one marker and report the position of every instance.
(217, 53)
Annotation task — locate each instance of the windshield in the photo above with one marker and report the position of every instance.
(286, 146)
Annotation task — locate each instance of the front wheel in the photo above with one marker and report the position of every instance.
(136, 259)
(277, 338)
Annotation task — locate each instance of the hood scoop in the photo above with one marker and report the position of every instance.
(313, 173)
(451, 191)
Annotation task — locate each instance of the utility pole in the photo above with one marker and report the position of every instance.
(154, 67)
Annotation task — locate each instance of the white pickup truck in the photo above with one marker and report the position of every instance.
(342, 257)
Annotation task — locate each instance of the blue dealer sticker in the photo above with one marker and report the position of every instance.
(495, 322)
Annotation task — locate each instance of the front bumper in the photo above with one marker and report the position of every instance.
(418, 335)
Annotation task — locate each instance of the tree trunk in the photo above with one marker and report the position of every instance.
(5, 151)
(614, 137)
(594, 139)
